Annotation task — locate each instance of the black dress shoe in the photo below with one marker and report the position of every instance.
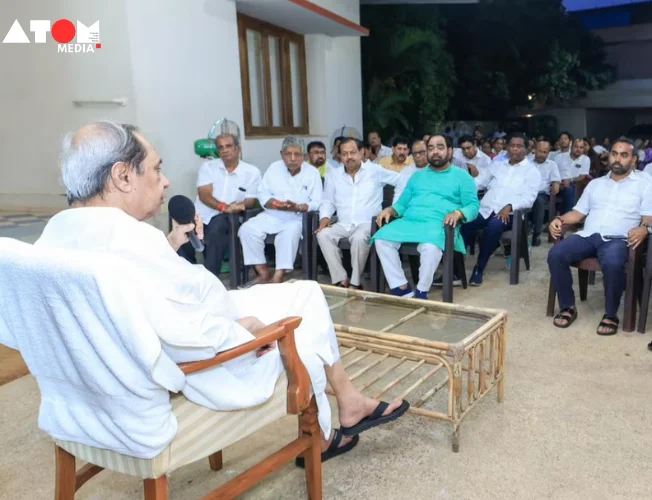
(649, 346)
(536, 241)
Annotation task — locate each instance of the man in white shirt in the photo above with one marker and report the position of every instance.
(574, 166)
(420, 154)
(550, 180)
(648, 169)
(564, 140)
(616, 211)
(511, 185)
(474, 159)
(378, 149)
(225, 186)
(356, 193)
(289, 187)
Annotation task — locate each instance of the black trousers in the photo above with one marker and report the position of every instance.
(538, 212)
(216, 241)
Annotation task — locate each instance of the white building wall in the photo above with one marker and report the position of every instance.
(176, 62)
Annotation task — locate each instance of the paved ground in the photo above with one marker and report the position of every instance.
(576, 424)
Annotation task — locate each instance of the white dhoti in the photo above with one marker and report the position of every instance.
(358, 236)
(222, 388)
(430, 257)
(288, 235)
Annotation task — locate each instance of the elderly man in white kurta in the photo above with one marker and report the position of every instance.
(114, 182)
(355, 192)
(511, 185)
(289, 187)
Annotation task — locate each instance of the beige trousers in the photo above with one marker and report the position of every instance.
(358, 237)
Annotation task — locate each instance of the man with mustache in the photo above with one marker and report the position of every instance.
(511, 185)
(356, 193)
(574, 166)
(289, 188)
(400, 158)
(317, 157)
(618, 204)
(435, 196)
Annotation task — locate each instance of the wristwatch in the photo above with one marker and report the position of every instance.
(649, 228)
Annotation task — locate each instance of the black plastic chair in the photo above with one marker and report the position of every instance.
(517, 237)
(239, 273)
(453, 264)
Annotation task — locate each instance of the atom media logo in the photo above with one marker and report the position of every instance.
(87, 38)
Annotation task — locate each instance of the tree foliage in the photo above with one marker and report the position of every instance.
(513, 53)
(426, 63)
(407, 72)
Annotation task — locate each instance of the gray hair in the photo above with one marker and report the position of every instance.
(225, 135)
(88, 157)
(292, 141)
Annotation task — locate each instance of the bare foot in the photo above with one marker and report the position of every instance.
(278, 277)
(353, 413)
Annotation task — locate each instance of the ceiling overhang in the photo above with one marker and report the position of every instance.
(300, 16)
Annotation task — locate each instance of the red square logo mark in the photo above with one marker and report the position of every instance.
(98, 45)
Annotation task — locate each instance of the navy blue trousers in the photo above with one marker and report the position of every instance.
(567, 198)
(612, 255)
(492, 229)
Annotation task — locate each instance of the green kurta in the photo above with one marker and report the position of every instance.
(428, 198)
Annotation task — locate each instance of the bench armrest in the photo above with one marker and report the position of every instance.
(299, 392)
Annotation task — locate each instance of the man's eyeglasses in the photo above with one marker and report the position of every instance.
(419, 153)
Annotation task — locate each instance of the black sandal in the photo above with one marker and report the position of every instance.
(612, 328)
(568, 314)
(334, 449)
(376, 418)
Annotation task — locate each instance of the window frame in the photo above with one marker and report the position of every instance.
(285, 37)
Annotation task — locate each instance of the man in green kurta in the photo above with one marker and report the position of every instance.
(435, 196)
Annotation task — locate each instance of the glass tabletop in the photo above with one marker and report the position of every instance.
(431, 324)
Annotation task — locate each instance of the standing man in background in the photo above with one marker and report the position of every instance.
(317, 157)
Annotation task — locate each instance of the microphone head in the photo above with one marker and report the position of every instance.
(181, 209)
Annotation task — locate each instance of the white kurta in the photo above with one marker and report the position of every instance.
(199, 317)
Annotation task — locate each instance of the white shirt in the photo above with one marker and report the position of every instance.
(648, 169)
(572, 169)
(549, 172)
(515, 185)
(500, 157)
(613, 208)
(356, 200)
(303, 188)
(383, 152)
(227, 187)
(480, 160)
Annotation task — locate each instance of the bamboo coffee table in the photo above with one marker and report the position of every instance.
(412, 349)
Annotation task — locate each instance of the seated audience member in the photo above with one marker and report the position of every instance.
(289, 187)
(114, 183)
(434, 196)
(499, 149)
(511, 185)
(225, 186)
(366, 150)
(574, 167)
(593, 144)
(648, 169)
(620, 205)
(606, 143)
(563, 144)
(474, 159)
(356, 194)
(550, 180)
(486, 148)
(400, 157)
(334, 161)
(317, 157)
(420, 155)
(378, 150)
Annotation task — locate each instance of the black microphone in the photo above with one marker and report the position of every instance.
(182, 210)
